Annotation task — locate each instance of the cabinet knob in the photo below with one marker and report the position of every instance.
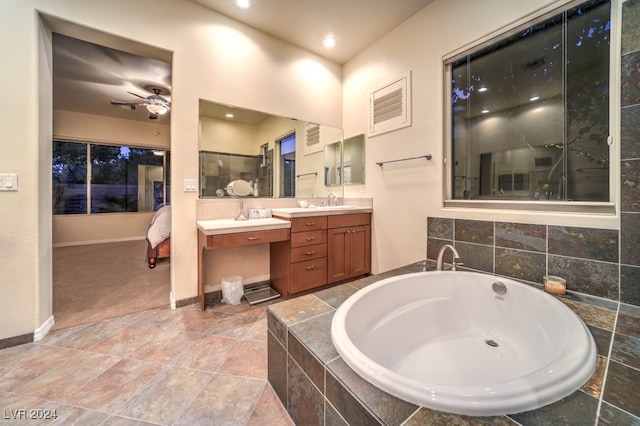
(310, 253)
(311, 268)
(253, 238)
(310, 223)
(310, 238)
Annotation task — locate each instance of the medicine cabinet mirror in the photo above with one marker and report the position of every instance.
(268, 151)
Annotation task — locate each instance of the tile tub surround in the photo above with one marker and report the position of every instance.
(318, 388)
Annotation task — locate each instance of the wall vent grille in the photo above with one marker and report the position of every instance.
(390, 106)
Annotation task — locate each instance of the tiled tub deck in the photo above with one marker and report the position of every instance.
(318, 388)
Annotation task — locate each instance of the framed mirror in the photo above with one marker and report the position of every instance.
(333, 164)
(277, 156)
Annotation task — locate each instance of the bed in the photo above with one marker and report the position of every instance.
(158, 236)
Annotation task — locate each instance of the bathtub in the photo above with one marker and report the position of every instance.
(450, 342)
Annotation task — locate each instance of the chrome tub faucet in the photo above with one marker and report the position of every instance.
(457, 261)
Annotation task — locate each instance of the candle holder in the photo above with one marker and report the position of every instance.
(555, 285)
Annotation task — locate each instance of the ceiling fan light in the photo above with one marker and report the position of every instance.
(157, 109)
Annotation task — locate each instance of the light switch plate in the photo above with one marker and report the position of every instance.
(191, 185)
(8, 182)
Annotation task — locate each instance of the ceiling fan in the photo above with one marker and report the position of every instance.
(156, 104)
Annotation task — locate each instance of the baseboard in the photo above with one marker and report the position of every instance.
(42, 331)
(107, 240)
(212, 297)
(16, 341)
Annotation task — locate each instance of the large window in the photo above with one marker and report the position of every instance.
(121, 178)
(529, 111)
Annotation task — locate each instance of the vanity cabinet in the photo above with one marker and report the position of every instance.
(349, 245)
(322, 250)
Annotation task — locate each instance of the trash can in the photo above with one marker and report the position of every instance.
(232, 289)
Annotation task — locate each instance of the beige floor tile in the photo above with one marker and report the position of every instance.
(166, 397)
(269, 410)
(113, 388)
(42, 359)
(207, 354)
(69, 376)
(225, 400)
(248, 359)
(232, 325)
(84, 336)
(258, 330)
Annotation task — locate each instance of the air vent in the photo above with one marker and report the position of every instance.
(390, 106)
(312, 141)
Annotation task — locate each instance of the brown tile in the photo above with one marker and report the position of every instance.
(257, 331)
(242, 309)
(277, 367)
(630, 285)
(427, 417)
(578, 408)
(166, 397)
(630, 26)
(592, 315)
(622, 387)
(630, 79)
(585, 243)
(227, 400)
(630, 185)
(438, 227)
(269, 411)
(315, 334)
(613, 416)
(84, 336)
(630, 132)
(305, 403)
(69, 376)
(586, 276)
(629, 241)
(127, 341)
(343, 382)
(207, 353)
(520, 265)
(626, 350)
(232, 326)
(474, 231)
(248, 359)
(39, 360)
(476, 256)
(335, 296)
(628, 324)
(594, 386)
(114, 387)
(307, 362)
(521, 236)
(165, 345)
(299, 309)
(433, 248)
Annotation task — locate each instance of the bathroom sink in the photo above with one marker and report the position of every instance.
(316, 210)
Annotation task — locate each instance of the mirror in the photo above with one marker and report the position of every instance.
(353, 160)
(240, 188)
(277, 156)
(333, 164)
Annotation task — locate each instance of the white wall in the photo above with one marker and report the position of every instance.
(406, 193)
(213, 58)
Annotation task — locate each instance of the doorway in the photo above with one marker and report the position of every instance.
(288, 165)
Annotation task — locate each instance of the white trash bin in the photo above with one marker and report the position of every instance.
(232, 289)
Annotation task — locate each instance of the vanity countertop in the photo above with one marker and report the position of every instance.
(290, 212)
(230, 226)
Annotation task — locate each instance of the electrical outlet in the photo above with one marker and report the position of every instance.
(8, 182)
(191, 185)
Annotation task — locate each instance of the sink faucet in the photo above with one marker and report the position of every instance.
(456, 258)
(332, 199)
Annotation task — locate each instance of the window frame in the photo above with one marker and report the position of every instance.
(89, 174)
(607, 208)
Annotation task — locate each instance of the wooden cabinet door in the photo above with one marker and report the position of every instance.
(337, 255)
(349, 252)
(360, 250)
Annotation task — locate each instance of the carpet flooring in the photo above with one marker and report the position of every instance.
(98, 281)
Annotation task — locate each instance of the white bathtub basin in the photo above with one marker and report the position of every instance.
(447, 341)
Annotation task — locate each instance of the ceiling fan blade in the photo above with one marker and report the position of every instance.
(135, 94)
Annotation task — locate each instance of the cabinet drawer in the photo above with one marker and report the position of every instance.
(300, 239)
(343, 220)
(309, 274)
(309, 252)
(299, 224)
(246, 238)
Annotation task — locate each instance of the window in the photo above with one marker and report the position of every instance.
(288, 165)
(122, 178)
(529, 111)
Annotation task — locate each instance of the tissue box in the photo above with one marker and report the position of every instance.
(259, 213)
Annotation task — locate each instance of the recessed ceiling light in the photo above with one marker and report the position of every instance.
(534, 98)
(228, 115)
(482, 89)
(485, 111)
(329, 41)
(243, 4)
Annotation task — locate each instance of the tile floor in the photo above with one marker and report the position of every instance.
(161, 366)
